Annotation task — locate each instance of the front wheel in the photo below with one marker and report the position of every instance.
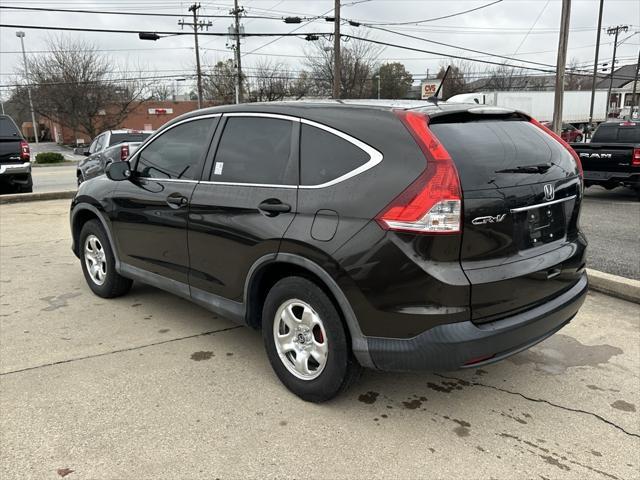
(98, 262)
(306, 341)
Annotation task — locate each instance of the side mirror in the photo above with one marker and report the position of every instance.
(118, 171)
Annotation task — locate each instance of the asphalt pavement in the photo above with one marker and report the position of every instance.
(151, 386)
(611, 221)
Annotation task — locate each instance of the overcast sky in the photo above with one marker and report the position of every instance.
(526, 29)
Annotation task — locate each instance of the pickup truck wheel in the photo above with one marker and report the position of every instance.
(306, 341)
(98, 262)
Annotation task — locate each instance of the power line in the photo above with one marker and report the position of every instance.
(108, 30)
(414, 22)
(145, 14)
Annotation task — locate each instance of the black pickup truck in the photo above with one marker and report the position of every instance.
(612, 158)
(15, 156)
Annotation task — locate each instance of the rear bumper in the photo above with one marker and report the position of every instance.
(455, 345)
(8, 169)
(612, 178)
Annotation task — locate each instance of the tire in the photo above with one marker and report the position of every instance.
(579, 138)
(305, 300)
(27, 187)
(103, 280)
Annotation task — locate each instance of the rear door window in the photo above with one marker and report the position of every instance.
(8, 129)
(629, 134)
(128, 137)
(483, 150)
(256, 150)
(326, 157)
(178, 153)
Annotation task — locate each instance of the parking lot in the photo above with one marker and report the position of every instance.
(151, 386)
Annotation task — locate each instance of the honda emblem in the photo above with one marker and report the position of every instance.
(549, 192)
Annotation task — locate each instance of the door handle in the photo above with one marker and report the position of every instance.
(273, 207)
(175, 200)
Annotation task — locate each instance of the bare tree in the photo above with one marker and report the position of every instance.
(574, 80)
(358, 64)
(504, 77)
(219, 83)
(271, 82)
(80, 88)
(161, 91)
(301, 86)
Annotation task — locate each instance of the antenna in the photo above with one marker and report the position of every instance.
(434, 97)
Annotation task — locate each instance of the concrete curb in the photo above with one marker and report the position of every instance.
(31, 197)
(614, 285)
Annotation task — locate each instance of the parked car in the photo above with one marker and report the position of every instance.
(110, 146)
(438, 237)
(612, 158)
(569, 133)
(15, 158)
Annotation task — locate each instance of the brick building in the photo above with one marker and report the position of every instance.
(148, 115)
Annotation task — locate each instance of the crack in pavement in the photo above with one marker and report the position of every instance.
(542, 400)
(121, 350)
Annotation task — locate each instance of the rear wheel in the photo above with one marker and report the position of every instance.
(306, 342)
(579, 138)
(98, 262)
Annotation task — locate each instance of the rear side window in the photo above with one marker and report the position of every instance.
(128, 137)
(481, 149)
(617, 133)
(325, 157)
(178, 153)
(8, 129)
(256, 150)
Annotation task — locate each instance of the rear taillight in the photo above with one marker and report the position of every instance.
(635, 160)
(433, 202)
(124, 152)
(564, 144)
(25, 152)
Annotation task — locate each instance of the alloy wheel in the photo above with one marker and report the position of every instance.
(300, 339)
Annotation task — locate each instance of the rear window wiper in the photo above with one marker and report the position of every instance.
(539, 168)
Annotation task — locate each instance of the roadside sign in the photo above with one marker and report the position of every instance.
(160, 111)
(429, 88)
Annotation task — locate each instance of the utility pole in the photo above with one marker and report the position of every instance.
(336, 50)
(613, 31)
(595, 66)
(560, 64)
(236, 12)
(634, 102)
(196, 26)
(20, 35)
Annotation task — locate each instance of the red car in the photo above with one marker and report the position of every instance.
(569, 132)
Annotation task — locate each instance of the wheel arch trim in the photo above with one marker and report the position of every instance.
(105, 224)
(359, 342)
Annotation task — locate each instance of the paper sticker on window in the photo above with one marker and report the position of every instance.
(217, 170)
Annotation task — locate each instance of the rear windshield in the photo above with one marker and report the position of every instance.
(616, 133)
(117, 138)
(8, 129)
(482, 150)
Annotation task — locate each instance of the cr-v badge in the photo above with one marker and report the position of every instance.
(488, 219)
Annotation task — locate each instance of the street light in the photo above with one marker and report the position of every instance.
(20, 35)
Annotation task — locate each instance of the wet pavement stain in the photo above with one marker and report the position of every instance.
(283, 423)
(164, 330)
(600, 389)
(229, 354)
(136, 304)
(624, 406)
(58, 301)
(596, 453)
(512, 417)
(463, 429)
(553, 461)
(199, 356)
(412, 404)
(560, 352)
(63, 472)
(369, 397)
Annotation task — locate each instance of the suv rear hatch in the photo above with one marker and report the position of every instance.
(10, 142)
(521, 199)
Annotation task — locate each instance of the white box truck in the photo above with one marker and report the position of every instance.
(575, 107)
